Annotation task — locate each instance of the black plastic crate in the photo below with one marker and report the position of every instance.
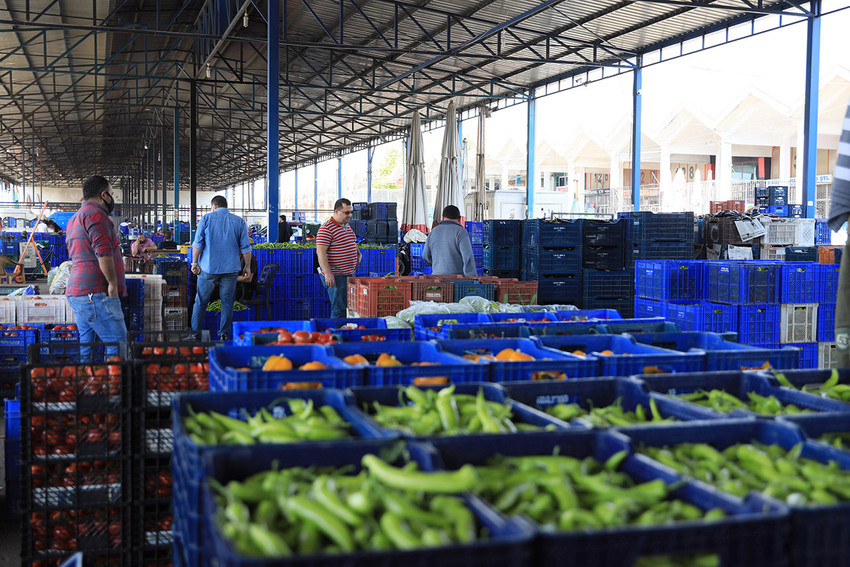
(502, 258)
(604, 258)
(360, 211)
(383, 211)
(541, 262)
(645, 226)
(603, 233)
(625, 306)
(102, 535)
(538, 233)
(614, 284)
(559, 290)
(658, 250)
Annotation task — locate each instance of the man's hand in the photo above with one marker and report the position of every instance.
(330, 280)
(112, 290)
(247, 274)
(196, 269)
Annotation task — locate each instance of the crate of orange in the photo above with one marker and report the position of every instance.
(282, 366)
(405, 363)
(510, 360)
(381, 297)
(621, 356)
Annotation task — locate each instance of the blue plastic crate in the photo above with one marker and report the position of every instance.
(393, 396)
(608, 284)
(20, 337)
(778, 191)
(828, 283)
(598, 393)
(670, 279)
(826, 323)
(525, 318)
(816, 532)
(761, 192)
(380, 260)
(703, 316)
(537, 233)
(644, 226)
(629, 357)
(721, 354)
(501, 257)
(301, 286)
(298, 261)
(800, 282)
(747, 536)
(359, 228)
(568, 328)
(779, 211)
(508, 544)
(823, 235)
(424, 325)
(744, 282)
(538, 262)
(212, 320)
(321, 308)
(740, 385)
(650, 308)
(228, 364)
(502, 233)
(548, 364)
(296, 309)
(808, 355)
(559, 289)
(243, 330)
(383, 210)
(777, 201)
(455, 368)
(12, 416)
(758, 324)
(660, 251)
(625, 305)
(603, 233)
(588, 314)
(372, 327)
(483, 332)
(801, 254)
(467, 288)
(796, 211)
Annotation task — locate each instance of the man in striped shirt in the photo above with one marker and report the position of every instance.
(838, 213)
(338, 255)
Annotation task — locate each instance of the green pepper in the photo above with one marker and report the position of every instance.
(325, 520)
(394, 530)
(267, 542)
(460, 480)
(324, 493)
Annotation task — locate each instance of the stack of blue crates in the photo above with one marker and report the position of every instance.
(772, 200)
(476, 237)
(823, 235)
(418, 267)
(134, 308)
(551, 255)
(656, 236)
(502, 247)
(605, 262)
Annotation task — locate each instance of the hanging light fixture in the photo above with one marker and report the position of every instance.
(208, 70)
(245, 19)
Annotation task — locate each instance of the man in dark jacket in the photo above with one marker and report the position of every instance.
(448, 249)
(838, 211)
(284, 231)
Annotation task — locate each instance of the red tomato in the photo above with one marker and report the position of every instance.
(301, 337)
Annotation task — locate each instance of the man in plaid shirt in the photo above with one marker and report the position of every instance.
(96, 283)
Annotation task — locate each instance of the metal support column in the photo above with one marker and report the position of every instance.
(339, 178)
(370, 153)
(176, 157)
(193, 158)
(155, 181)
(530, 142)
(296, 189)
(636, 115)
(164, 184)
(273, 122)
(810, 118)
(316, 190)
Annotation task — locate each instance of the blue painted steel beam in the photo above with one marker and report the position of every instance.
(273, 122)
(296, 187)
(339, 178)
(370, 153)
(176, 174)
(636, 118)
(530, 142)
(810, 117)
(316, 189)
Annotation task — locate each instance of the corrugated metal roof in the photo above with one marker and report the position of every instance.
(83, 87)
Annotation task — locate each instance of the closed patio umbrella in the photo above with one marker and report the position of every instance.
(449, 189)
(414, 214)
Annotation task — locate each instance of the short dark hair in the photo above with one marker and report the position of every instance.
(219, 201)
(94, 186)
(167, 234)
(451, 212)
(283, 217)
(341, 203)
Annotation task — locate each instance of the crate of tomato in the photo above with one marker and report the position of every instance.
(366, 329)
(167, 369)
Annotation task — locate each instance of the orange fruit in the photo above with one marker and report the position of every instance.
(505, 354)
(472, 357)
(520, 356)
(387, 360)
(425, 364)
(355, 359)
(276, 362)
(607, 353)
(580, 353)
(313, 365)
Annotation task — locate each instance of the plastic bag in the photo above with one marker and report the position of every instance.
(51, 275)
(60, 282)
(415, 235)
(479, 304)
(396, 323)
(29, 290)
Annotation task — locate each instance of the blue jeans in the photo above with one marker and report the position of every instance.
(226, 291)
(338, 295)
(98, 314)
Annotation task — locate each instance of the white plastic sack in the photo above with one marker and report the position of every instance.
(60, 282)
(396, 323)
(29, 290)
(479, 304)
(415, 236)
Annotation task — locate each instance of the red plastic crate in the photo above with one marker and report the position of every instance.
(517, 292)
(431, 290)
(381, 297)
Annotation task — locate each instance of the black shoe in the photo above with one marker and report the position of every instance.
(191, 337)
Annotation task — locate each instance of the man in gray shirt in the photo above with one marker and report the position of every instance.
(448, 249)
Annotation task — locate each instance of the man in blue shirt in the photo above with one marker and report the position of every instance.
(219, 241)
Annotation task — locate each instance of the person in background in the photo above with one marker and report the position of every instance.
(141, 246)
(284, 231)
(167, 242)
(221, 238)
(839, 209)
(448, 249)
(338, 256)
(96, 283)
(246, 283)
